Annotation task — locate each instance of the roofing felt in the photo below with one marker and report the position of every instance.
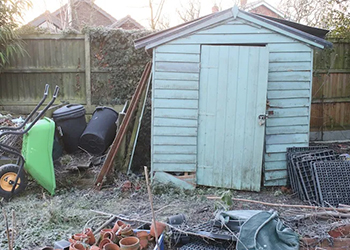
(309, 33)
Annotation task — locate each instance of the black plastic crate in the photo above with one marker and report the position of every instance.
(333, 182)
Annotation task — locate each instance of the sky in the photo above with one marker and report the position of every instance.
(137, 9)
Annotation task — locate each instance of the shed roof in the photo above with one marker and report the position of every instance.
(306, 34)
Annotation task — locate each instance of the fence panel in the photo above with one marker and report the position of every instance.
(53, 59)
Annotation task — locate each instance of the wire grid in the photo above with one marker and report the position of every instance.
(333, 182)
(292, 174)
(214, 231)
(297, 183)
(200, 245)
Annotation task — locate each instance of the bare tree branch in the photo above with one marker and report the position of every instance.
(189, 11)
(156, 12)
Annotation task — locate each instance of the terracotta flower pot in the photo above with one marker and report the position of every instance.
(76, 246)
(95, 248)
(81, 237)
(160, 229)
(126, 230)
(111, 246)
(91, 236)
(107, 233)
(104, 242)
(143, 237)
(129, 243)
(117, 225)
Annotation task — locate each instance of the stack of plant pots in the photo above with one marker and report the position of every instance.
(120, 237)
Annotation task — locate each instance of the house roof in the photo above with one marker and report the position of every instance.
(44, 17)
(254, 5)
(124, 20)
(291, 29)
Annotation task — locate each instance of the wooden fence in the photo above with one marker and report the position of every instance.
(330, 109)
(66, 61)
(53, 59)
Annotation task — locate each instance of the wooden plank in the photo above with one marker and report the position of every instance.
(164, 149)
(275, 175)
(228, 39)
(290, 103)
(291, 57)
(175, 122)
(289, 66)
(177, 67)
(53, 37)
(287, 129)
(173, 84)
(122, 130)
(275, 165)
(175, 57)
(279, 94)
(288, 138)
(174, 140)
(298, 76)
(175, 131)
(274, 183)
(175, 158)
(283, 147)
(169, 48)
(275, 157)
(224, 29)
(176, 113)
(173, 103)
(176, 94)
(288, 112)
(287, 121)
(176, 76)
(288, 85)
(289, 47)
(168, 178)
(185, 167)
(87, 70)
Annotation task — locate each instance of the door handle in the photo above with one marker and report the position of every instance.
(262, 119)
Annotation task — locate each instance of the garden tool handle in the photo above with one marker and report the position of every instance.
(55, 93)
(46, 91)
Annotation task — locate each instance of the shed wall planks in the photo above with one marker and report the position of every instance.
(176, 86)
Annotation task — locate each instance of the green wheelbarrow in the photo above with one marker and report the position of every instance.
(36, 156)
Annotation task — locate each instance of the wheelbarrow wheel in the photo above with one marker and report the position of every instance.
(8, 174)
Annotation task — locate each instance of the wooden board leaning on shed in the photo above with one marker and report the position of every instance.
(107, 165)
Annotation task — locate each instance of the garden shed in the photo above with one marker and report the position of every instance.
(231, 91)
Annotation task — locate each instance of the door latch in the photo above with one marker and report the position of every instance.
(262, 119)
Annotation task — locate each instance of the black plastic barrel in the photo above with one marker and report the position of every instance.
(100, 131)
(70, 122)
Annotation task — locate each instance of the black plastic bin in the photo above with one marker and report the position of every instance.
(70, 122)
(100, 131)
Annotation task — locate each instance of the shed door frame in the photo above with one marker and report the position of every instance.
(231, 141)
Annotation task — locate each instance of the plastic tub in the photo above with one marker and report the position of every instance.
(70, 122)
(100, 131)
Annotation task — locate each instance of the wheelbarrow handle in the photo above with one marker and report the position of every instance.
(46, 92)
(55, 93)
(36, 118)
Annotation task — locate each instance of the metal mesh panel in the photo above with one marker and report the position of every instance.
(333, 182)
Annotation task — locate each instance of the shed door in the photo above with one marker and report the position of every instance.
(232, 96)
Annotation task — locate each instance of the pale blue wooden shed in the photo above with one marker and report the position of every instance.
(215, 81)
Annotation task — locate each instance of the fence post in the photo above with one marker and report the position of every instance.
(87, 70)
